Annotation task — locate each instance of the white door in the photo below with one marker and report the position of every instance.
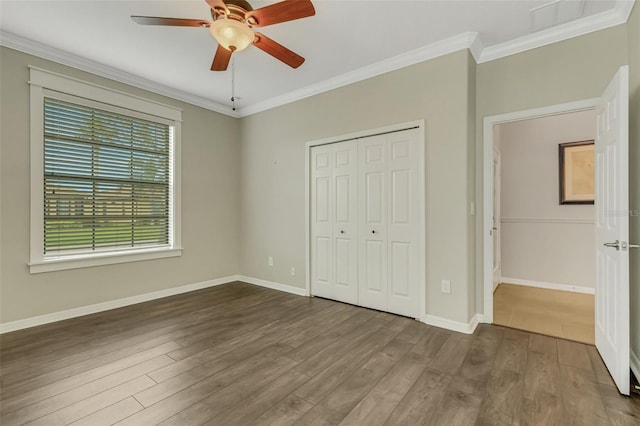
(497, 254)
(345, 229)
(612, 229)
(403, 212)
(372, 195)
(334, 241)
(389, 197)
(321, 218)
(366, 200)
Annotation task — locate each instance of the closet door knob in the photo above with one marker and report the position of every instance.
(373, 231)
(342, 232)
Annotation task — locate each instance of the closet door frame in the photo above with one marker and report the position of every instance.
(420, 126)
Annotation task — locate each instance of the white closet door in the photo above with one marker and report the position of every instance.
(372, 196)
(403, 222)
(334, 233)
(365, 222)
(345, 229)
(321, 218)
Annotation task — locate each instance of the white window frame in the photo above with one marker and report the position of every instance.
(48, 84)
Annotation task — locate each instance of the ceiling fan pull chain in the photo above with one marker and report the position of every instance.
(233, 84)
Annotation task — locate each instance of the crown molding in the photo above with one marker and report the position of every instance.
(40, 50)
(431, 51)
(610, 18)
(470, 40)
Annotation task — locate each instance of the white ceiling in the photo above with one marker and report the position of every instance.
(346, 40)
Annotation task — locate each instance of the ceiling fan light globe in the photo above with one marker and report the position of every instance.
(231, 34)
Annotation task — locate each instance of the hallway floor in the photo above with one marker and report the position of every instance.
(552, 312)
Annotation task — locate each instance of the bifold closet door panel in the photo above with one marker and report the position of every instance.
(403, 223)
(372, 223)
(334, 233)
(345, 229)
(321, 226)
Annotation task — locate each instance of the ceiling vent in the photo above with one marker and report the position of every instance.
(556, 13)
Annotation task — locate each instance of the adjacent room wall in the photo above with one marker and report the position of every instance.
(273, 171)
(633, 33)
(210, 203)
(568, 71)
(536, 229)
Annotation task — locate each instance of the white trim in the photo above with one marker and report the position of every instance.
(367, 133)
(420, 125)
(109, 258)
(273, 285)
(487, 182)
(307, 219)
(549, 286)
(431, 51)
(564, 220)
(102, 94)
(610, 18)
(112, 304)
(460, 327)
(634, 362)
(41, 50)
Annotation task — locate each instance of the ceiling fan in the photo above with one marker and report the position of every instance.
(232, 25)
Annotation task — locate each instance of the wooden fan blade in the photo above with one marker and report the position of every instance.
(175, 22)
(284, 11)
(218, 5)
(221, 60)
(277, 50)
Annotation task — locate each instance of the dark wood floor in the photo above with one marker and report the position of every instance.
(240, 354)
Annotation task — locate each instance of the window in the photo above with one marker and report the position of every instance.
(103, 176)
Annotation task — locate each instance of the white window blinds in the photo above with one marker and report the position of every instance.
(106, 180)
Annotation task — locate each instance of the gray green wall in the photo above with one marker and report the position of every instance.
(572, 70)
(273, 174)
(210, 203)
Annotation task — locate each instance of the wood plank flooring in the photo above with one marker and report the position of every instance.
(552, 312)
(238, 354)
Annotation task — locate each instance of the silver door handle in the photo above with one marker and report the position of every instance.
(615, 245)
(634, 245)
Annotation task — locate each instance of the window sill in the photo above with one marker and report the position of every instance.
(89, 260)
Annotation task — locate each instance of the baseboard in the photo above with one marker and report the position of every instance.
(634, 361)
(273, 285)
(460, 327)
(549, 286)
(112, 304)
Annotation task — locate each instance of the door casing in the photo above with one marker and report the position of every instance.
(487, 184)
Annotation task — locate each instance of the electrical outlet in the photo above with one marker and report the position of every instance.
(445, 286)
(292, 272)
(270, 260)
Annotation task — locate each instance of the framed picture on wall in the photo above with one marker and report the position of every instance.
(577, 173)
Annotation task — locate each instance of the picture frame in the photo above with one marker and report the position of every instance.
(577, 172)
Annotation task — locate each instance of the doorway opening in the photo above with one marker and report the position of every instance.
(611, 224)
(544, 243)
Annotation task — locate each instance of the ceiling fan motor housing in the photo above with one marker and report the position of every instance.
(237, 10)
